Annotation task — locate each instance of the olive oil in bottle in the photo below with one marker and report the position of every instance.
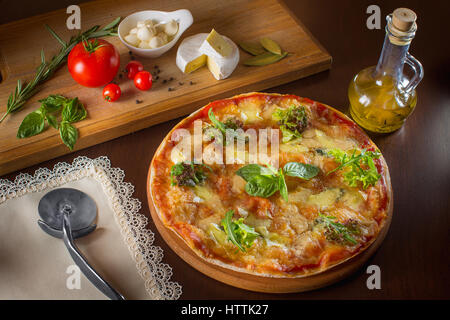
(381, 97)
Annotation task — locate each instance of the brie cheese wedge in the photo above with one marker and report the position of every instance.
(189, 58)
(223, 67)
(216, 46)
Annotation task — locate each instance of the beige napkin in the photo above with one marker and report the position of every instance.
(34, 265)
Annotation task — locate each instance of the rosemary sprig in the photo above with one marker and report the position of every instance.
(46, 69)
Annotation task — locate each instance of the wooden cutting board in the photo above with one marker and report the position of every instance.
(241, 20)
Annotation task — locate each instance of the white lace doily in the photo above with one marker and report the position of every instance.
(132, 224)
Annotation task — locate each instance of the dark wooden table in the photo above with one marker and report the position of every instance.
(414, 258)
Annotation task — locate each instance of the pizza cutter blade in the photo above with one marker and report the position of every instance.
(68, 214)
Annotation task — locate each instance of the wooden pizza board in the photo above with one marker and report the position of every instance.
(268, 284)
(21, 43)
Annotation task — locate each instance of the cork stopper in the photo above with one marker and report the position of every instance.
(403, 19)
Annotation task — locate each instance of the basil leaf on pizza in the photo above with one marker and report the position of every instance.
(283, 187)
(265, 181)
(249, 171)
(262, 186)
(300, 170)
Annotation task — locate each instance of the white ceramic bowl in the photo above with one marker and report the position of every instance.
(183, 17)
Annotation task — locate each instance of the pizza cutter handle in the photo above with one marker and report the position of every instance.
(84, 266)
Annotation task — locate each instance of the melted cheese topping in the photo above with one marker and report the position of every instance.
(289, 243)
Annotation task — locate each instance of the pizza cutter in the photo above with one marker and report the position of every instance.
(68, 214)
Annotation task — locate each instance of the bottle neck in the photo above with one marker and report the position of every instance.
(391, 60)
(395, 48)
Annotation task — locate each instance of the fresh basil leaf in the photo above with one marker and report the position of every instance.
(265, 181)
(51, 119)
(249, 171)
(262, 186)
(73, 111)
(282, 186)
(68, 133)
(53, 102)
(300, 170)
(31, 125)
(68, 111)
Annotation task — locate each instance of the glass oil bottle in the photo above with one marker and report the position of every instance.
(382, 97)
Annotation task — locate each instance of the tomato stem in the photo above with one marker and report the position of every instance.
(91, 46)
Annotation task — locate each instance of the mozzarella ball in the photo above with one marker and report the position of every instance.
(132, 39)
(171, 28)
(133, 31)
(149, 23)
(156, 42)
(159, 27)
(144, 45)
(164, 37)
(145, 34)
(140, 24)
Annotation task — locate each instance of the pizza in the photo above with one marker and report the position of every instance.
(321, 200)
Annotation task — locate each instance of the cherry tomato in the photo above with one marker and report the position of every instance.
(93, 63)
(143, 80)
(133, 67)
(111, 92)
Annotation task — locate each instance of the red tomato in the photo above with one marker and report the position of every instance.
(143, 80)
(133, 67)
(111, 92)
(93, 63)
